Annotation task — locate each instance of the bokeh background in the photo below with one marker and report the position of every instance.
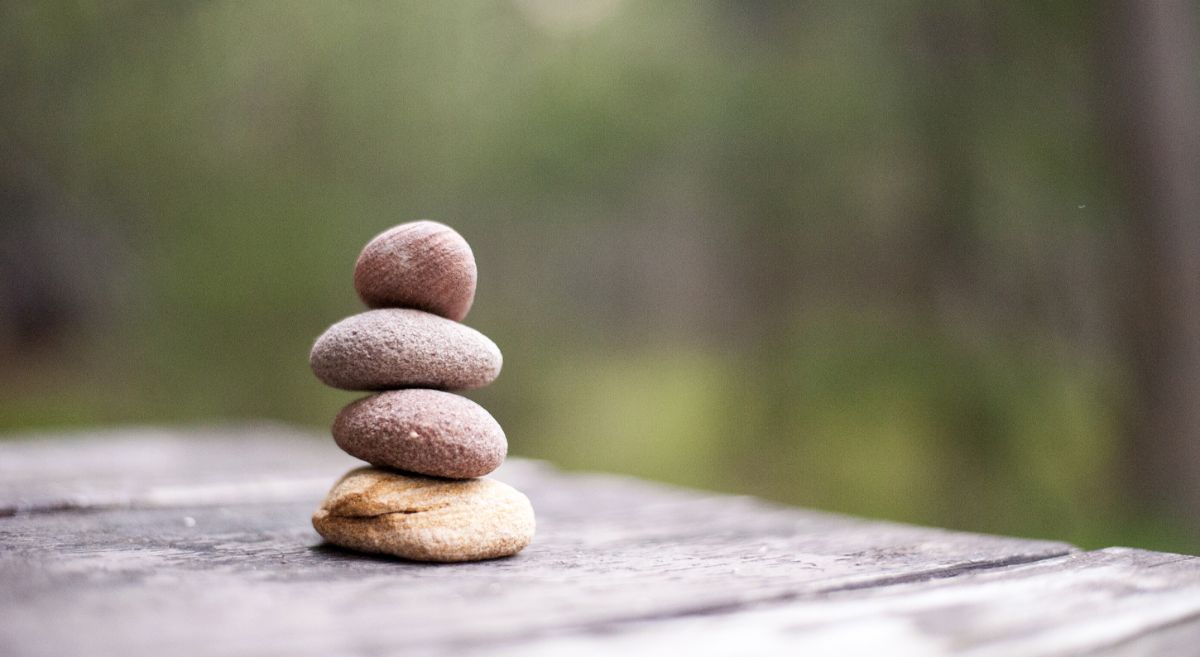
(929, 260)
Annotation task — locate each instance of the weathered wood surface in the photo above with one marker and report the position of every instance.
(153, 542)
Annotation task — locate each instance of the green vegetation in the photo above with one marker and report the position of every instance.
(857, 258)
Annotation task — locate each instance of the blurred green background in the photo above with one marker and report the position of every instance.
(926, 260)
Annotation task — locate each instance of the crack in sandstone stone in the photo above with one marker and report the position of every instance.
(397, 512)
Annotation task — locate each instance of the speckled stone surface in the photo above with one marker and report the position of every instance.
(423, 431)
(422, 264)
(423, 518)
(403, 348)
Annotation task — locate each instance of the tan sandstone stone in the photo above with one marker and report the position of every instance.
(423, 518)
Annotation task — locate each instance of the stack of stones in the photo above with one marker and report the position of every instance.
(424, 497)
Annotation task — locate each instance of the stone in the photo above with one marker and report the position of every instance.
(423, 431)
(404, 348)
(423, 518)
(422, 264)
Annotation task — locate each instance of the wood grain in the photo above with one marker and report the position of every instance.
(197, 542)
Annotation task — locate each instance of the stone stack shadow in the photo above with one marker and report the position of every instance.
(425, 496)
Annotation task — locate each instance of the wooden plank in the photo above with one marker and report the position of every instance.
(143, 542)
(154, 466)
(1116, 602)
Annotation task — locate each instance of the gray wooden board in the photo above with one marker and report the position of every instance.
(1114, 602)
(197, 542)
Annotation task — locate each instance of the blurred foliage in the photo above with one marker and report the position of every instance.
(841, 255)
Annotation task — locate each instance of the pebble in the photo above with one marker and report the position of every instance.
(423, 431)
(402, 348)
(425, 519)
(422, 264)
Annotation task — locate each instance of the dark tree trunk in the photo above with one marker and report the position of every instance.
(1154, 96)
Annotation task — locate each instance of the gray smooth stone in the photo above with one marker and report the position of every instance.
(403, 348)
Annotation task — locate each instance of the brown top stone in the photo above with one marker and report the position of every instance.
(422, 264)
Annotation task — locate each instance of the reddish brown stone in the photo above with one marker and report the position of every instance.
(422, 264)
(423, 431)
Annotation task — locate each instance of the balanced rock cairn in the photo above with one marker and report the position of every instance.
(424, 498)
